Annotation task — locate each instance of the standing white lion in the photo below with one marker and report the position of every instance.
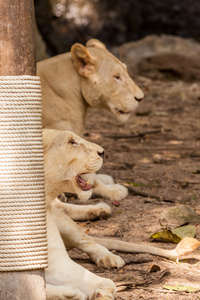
(87, 77)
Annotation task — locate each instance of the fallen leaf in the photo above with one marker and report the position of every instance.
(183, 231)
(166, 236)
(154, 268)
(174, 235)
(181, 288)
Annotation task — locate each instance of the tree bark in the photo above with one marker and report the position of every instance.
(17, 40)
(17, 57)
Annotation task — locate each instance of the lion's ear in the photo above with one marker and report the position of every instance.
(95, 43)
(83, 61)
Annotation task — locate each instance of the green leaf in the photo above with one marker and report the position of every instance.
(183, 231)
(166, 236)
(181, 288)
(175, 235)
(136, 184)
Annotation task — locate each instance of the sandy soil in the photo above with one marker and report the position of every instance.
(157, 154)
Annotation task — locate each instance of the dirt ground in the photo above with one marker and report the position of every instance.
(157, 154)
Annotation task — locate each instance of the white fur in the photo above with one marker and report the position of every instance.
(83, 212)
(87, 77)
(65, 279)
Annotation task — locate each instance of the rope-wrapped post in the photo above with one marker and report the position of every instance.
(23, 241)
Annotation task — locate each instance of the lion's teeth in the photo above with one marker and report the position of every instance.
(88, 182)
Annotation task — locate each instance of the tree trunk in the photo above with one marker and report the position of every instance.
(17, 57)
(17, 41)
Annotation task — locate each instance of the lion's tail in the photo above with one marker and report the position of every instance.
(186, 245)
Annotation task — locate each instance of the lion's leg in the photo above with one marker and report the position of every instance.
(104, 186)
(74, 237)
(112, 191)
(83, 212)
(104, 178)
(62, 271)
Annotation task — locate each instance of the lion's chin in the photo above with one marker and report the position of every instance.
(82, 188)
(84, 196)
(122, 118)
(121, 115)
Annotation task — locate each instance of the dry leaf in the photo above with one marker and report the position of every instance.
(166, 236)
(183, 231)
(154, 268)
(180, 288)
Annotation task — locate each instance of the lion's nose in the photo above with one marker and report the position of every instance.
(138, 99)
(101, 154)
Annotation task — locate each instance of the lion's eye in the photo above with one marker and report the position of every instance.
(118, 77)
(72, 142)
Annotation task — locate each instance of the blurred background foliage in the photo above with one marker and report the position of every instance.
(64, 22)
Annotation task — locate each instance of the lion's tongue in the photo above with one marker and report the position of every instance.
(85, 186)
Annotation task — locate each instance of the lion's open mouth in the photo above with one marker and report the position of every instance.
(122, 111)
(84, 185)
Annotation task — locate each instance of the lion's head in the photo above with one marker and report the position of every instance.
(105, 82)
(67, 157)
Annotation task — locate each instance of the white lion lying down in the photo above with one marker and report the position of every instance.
(84, 78)
(67, 157)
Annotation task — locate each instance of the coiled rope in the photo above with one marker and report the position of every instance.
(23, 241)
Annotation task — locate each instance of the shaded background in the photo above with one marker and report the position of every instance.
(64, 22)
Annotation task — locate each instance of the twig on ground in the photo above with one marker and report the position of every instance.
(132, 136)
(133, 260)
(147, 195)
(121, 286)
(156, 290)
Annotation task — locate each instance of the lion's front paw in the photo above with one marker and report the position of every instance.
(110, 261)
(115, 192)
(106, 291)
(111, 191)
(118, 192)
(105, 296)
(100, 210)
